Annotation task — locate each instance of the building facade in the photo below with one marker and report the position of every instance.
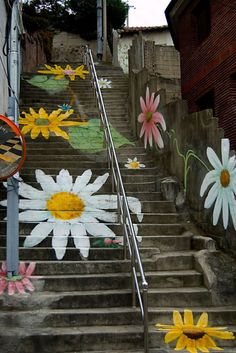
(204, 33)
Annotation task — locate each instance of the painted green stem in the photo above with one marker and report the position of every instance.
(190, 153)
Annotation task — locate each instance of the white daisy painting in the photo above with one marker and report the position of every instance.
(104, 83)
(134, 164)
(68, 208)
(223, 190)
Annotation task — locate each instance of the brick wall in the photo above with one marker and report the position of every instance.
(209, 65)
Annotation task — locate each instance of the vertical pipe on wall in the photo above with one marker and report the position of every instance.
(99, 31)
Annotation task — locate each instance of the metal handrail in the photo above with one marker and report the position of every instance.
(130, 239)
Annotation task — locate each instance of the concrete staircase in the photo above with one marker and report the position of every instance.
(85, 305)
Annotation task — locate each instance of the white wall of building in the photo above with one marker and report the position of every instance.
(125, 42)
(3, 61)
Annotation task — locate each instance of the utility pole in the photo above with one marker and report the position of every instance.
(99, 30)
(12, 242)
(104, 30)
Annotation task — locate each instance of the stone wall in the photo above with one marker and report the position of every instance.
(194, 132)
(69, 47)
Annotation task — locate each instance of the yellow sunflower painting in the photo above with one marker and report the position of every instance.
(60, 73)
(192, 337)
(44, 123)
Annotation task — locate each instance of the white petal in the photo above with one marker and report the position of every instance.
(225, 206)
(60, 238)
(29, 192)
(38, 234)
(213, 159)
(64, 180)
(46, 181)
(102, 215)
(96, 185)
(212, 195)
(217, 207)
(81, 240)
(99, 230)
(81, 181)
(225, 152)
(103, 201)
(32, 204)
(209, 178)
(232, 208)
(135, 207)
(231, 163)
(87, 218)
(33, 216)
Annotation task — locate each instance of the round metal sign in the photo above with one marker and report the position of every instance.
(12, 148)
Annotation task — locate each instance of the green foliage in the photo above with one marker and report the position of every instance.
(76, 16)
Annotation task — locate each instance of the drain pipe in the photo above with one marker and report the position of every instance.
(12, 242)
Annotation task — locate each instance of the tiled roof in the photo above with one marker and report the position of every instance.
(143, 29)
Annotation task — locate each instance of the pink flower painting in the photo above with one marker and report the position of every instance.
(150, 117)
(19, 283)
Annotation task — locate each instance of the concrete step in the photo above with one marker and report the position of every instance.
(165, 279)
(77, 339)
(166, 297)
(111, 316)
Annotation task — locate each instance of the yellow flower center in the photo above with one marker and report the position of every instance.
(193, 333)
(224, 178)
(149, 116)
(134, 165)
(65, 206)
(41, 122)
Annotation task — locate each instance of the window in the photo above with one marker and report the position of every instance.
(207, 101)
(202, 15)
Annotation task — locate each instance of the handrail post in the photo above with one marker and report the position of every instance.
(145, 318)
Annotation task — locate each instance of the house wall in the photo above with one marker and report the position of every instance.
(211, 65)
(3, 63)
(125, 42)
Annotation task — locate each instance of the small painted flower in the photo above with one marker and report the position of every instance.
(104, 83)
(193, 337)
(60, 73)
(223, 190)
(150, 118)
(65, 208)
(44, 123)
(65, 107)
(134, 164)
(18, 283)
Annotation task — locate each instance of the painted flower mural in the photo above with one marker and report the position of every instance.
(60, 73)
(149, 119)
(104, 83)
(134, 164)
(68, 208)
(45, 123)
(193, 337)
(64, 107)
(223, 190)
(19, 283)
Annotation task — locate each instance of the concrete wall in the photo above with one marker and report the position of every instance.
(3, 63)
(194, 131)
(69, 47)
(124, 43)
